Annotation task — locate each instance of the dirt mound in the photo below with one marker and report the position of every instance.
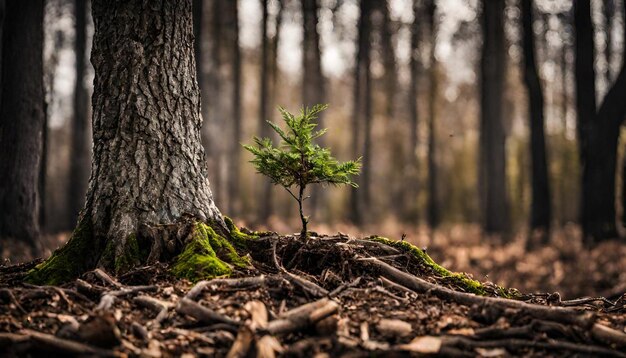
(328, 295)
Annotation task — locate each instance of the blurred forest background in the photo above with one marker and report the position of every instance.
(471, 118)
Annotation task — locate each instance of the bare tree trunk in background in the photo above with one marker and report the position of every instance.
(22, 120)
(312, 78)
(265, 197)
(80, 148)
(235, 146)
(540, 203)
(492, 176)
(608, 12)
(362, 111)
(566, 169)
(599, 135)
(414, 64)
(396, 177)
(197, 9)
(433, 205)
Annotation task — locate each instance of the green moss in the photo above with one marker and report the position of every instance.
(206, 255)
(120, 261)
(458, 279)
(77, 256)
(238, 238)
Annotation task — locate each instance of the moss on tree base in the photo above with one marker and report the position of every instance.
(207, 254)
(68, 262)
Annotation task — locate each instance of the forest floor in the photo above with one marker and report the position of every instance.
(337, 295)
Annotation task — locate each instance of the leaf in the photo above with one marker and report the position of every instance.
(424, 344)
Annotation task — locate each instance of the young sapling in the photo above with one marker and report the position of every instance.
(297, 161)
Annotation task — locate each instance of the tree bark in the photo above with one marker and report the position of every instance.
(22, 119)
(361, 110)
(80, 146)
(148, 162)
(433, 204)
(608, 12)
(492, 174)
(540, 203)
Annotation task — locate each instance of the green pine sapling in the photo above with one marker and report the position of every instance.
(297, 161)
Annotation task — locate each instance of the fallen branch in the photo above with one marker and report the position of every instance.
(559, 314)
(239, 283)
(303, 316)
(56, 344)
(203, 314)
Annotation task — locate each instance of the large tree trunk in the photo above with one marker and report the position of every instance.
(540, 204)
(433, 204)
(79, 145)
(608, 12)
(492, 142)
(148, 165)
(312, 78)
(22, 119)
(362, 109)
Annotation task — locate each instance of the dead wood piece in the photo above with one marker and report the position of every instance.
(390, 283)
(107, 300)
(387, 293)
(608, 335)
(89, 289)
(558, 314)
(515, 343)
(11, 339)
(239, 283)
(308, 286)
(303, 316)
(8, 295)
(140, 331)
(341, 288)
(394, 328)
(107, 279)
(160, 306)
(52, 343)
(242, 344)
(203, 314)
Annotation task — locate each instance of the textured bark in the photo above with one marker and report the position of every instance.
(79, 145)
(22, 119)
(540, 202)
(362, 109)
(148, 165)
(433, 205)
(492, 136)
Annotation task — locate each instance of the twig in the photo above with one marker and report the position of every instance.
(57, 344)
(245, 282)
(203, 314)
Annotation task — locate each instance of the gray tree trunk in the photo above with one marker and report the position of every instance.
(433, 204)
(312, 78)
(148, 163)
(79, 145)
(492, 176)
(540, 204)
(22, 119)
(412, 178)
(362, 111)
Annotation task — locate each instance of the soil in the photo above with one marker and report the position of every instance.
(323, 296)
